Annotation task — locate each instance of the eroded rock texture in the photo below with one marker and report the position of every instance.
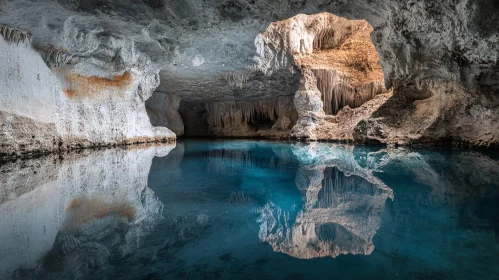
(46, 109)
(103, 59)
(163, 111)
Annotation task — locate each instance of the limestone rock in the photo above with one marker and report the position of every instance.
(162, 110)
(440, 59)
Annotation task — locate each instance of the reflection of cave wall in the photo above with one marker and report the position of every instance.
(227, 160)
(338, 238)
(81, 210)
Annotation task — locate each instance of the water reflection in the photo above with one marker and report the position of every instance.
(342, 209)
(241, 209)
(75, 212)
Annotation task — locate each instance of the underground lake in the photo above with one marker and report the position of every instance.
(251, 209)
(249, 139)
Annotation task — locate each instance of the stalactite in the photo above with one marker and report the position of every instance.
(15, 35)
(54, 56)
(324, 39)
(236, 79)
(226, 114)
(338, 91)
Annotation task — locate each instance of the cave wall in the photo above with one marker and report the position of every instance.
(436, 56)
(437, 98)
(45, 109)
(440, 58)
(162, 110)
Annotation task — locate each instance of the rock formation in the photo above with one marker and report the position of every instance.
(265, 117)
(162, 110)
(339, 71)
(44, 109)
(78, 73)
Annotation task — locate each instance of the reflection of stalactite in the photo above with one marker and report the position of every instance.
(239, 198)
(54, 56)
(337, 187)
(15, 35)
(339, 239)
(337, 90)
(225, 114)
(236, 79)
(228, 161)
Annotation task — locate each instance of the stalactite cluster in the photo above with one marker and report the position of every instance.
(338, 91)
(226, 114)
(15, 35)
(324, 39)
(236, 78)
(54, 56)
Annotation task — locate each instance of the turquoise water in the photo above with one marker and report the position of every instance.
(252, 210)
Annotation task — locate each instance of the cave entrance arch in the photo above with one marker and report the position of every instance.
(334, 54)
(334, 57)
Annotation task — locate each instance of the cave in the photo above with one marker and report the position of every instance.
(227, 139)
(336, 72)
(322, 52)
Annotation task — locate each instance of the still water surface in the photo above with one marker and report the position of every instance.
(251, 210)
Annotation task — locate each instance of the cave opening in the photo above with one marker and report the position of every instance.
(163, 110)
(345, 63)
(262, 121)
(334, 55)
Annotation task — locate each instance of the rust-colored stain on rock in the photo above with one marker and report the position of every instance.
(79, 87)
(83, 210)
(69, 93)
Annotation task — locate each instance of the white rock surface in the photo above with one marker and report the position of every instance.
(38, 115)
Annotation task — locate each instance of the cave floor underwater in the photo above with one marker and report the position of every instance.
(247, 209)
